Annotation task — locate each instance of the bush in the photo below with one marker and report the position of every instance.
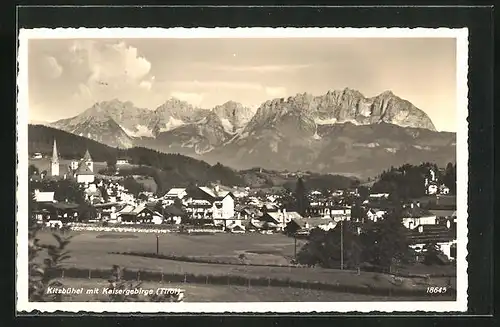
(41, 277)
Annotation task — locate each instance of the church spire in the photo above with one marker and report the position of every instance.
(55, 157)
(87, 156)
(54, 167)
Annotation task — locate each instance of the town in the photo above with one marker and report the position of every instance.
(77, 197)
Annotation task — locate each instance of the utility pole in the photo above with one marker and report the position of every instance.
(157, 244)
(295, 245)
(342, 243)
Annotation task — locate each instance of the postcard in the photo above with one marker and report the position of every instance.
(213, 170)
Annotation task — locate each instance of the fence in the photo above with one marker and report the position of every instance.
(235, 280)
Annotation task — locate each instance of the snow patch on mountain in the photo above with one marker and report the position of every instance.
(201, 150)
(228, 127)
(141, 131)
(366, 145)
(329, 121)
(422, 147)
(171, 124)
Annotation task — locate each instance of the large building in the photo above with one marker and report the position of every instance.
(210, 203)
(83, 170)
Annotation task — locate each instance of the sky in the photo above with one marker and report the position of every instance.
(67, 76)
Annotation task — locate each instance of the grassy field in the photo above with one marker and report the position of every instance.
(257, 248)
(89, 251)
(213, 293)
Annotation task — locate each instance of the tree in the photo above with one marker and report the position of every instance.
(104, 193)
(363, 192)
(178, 203)
(144, 160)
(86, 212)
(450, 177)
(32, 170)
(301, 197)
(432, 254)
(358, 213)
(41, 276)
(385, 242)
(132, 185)
(111, 163)
(67, 191)
(324, 247)
(143, 197)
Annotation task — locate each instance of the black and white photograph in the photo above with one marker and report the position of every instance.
(242, 170)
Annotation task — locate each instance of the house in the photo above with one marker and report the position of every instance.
(255, 224)
(122, 161)
(432, 189)
(443, 212)
(83, 169)
(375, 214)
(139, 214)
(306, 224)
(413, 216)
(107, 211)
(247, 212)
(269, 207)
(339, 213)
(236, 228)
(443, 235)
(279, 219)
(44, 196)
(92, 194)
(60, 211)
(443, 189)
(83, 174)
(217, 204)
(375, 196)
(175, 193)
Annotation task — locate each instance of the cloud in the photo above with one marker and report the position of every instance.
(214, 84)
(259, 68)
(50, 67)
(146, 85)
(192, 98)
(109, 70)
(276, 91)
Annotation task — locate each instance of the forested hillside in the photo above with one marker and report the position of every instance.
(167, 169)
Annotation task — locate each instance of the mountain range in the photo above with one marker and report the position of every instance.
(341, 131)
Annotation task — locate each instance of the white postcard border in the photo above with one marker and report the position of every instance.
(23, 305)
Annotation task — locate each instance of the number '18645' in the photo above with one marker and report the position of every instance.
(436, 290)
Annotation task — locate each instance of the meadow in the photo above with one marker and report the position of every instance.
(232, 293)
(256, 248)
(94, 250)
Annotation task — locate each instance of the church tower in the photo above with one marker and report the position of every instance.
(88, 160)
(54, 167)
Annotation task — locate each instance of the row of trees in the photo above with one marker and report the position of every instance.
(381, 246)
(408, 181)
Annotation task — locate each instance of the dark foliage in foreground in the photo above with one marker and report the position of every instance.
(381, 245)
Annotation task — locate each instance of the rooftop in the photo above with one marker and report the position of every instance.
(431, 233)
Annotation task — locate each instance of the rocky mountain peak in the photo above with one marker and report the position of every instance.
(341, 106)
(233, 115)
